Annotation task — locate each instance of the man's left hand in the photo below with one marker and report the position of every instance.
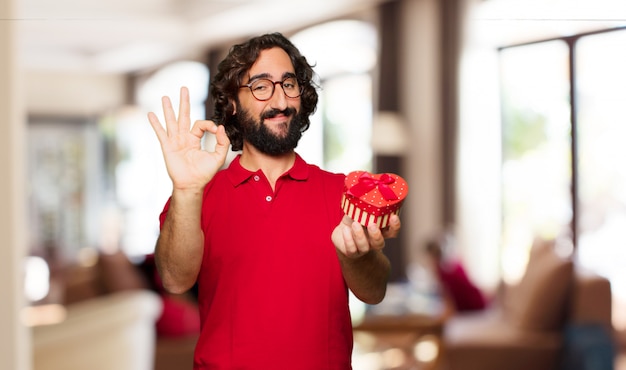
(354, 241)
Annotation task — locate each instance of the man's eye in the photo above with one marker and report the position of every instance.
(260, 87)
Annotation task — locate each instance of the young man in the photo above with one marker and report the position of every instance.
(265, 239)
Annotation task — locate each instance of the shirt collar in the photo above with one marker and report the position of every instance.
(237, 174)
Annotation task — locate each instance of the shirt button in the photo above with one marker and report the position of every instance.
(268, 198)
(256, 178)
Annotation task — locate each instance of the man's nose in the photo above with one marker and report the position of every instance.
(278, 99)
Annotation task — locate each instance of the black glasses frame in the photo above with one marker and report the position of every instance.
(274, 83)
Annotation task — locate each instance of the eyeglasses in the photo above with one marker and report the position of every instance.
(263, 89)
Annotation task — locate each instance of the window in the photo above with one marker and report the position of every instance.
(601, 134)
(562, 151)
(536, 175)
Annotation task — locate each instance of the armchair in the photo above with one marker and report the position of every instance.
(526, 329)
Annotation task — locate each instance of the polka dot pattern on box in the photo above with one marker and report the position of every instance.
(373, 198)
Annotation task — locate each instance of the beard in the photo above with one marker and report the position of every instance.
(267, 142)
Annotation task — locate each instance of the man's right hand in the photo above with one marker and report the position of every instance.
(188, 165)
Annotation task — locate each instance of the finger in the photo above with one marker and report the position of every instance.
(223, 143)
(184, 110)
(170, 117)
(375, 237)
(346, 220)
(393, 229)
(349, 245)
(157, 127)
(202, 126)
(360, 238)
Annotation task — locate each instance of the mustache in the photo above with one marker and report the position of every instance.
(288, 112)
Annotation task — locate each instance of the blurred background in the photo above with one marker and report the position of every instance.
(506, 118)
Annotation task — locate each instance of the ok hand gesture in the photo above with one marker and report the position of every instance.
(188, 165)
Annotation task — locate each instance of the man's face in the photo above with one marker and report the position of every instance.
(271, 126)
(259, 134)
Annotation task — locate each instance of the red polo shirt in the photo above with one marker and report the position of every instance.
(271, 291)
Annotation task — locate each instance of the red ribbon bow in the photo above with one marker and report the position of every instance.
(367, 182)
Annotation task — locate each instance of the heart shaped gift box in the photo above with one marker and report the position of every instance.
(373, 198)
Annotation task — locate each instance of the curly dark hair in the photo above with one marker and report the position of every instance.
(232, 70)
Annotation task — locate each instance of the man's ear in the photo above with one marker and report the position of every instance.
(232, 102)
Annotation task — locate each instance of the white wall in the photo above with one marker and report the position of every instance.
(14, 338)
(72, 94)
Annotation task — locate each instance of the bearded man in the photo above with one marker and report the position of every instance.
(265, 239)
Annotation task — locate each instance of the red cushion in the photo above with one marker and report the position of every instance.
(179, 317)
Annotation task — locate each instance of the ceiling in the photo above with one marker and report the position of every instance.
(121, 36)
(507, 22)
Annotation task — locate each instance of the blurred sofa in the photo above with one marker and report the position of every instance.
(557, 317)
(115, 331)
(112, 288)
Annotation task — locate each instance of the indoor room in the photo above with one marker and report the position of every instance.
(505, 119)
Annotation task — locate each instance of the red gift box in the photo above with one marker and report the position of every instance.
(373, 198)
